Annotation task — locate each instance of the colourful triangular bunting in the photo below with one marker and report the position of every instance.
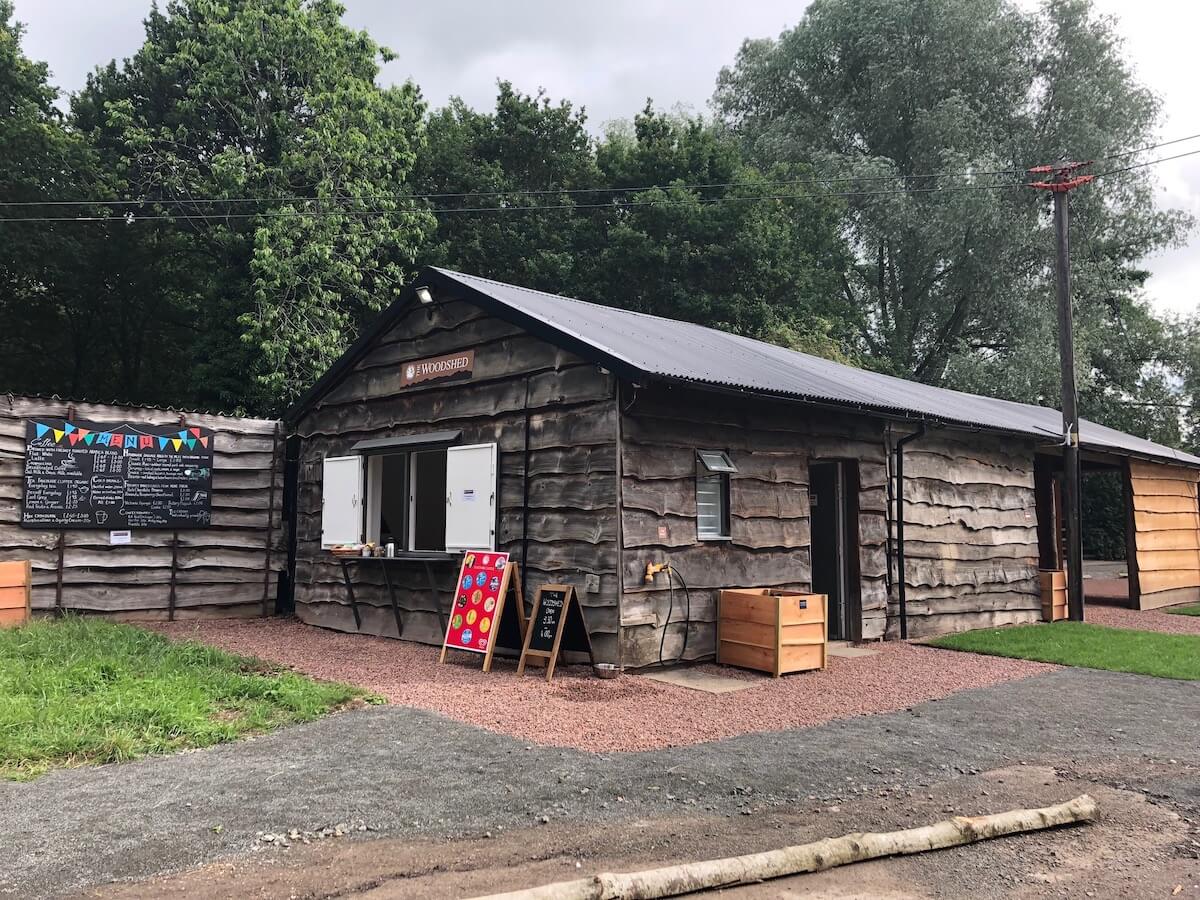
(58, 435)
(40, 429)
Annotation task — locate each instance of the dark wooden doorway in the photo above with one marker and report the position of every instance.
(833, 495)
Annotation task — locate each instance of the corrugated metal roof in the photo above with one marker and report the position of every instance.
(686, 352)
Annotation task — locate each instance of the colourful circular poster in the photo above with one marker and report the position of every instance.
(472, 623)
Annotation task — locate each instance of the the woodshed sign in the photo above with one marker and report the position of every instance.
(457, 366)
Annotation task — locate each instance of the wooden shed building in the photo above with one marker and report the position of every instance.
(589, 442)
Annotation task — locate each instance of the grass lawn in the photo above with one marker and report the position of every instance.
(1192, 609)
(1089, 646)
(80, 690)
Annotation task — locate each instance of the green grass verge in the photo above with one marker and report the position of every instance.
(1192, 609)
(1088, 646)
(80, 690)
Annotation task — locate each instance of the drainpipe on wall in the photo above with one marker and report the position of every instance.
(900, 558)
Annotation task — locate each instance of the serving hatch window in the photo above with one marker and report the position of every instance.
(713, 468)
(421, 498)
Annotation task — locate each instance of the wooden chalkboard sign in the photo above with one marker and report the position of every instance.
(116, 475)
(556, 625)
(484, 616)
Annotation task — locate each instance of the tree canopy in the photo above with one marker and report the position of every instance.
(954, 274)
(258, 196)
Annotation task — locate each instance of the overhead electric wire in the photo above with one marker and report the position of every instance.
(521, 192)
(1149, 162)
(1125, 153)
(612, 203)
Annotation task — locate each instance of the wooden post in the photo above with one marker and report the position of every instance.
(1134, 593)
(1070, 412)
(174, 569)
(58, 608)
(270, 519)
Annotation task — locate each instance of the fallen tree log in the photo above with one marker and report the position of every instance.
(671, 881)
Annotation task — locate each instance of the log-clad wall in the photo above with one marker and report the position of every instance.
(229, 568)
(971, 545)
(572, 465)
(1165, 516)
(771, 444)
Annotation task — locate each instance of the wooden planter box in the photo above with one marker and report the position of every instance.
(772, 631)
(1054, 594)
(14, 593)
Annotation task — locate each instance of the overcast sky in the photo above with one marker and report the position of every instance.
(611, 56)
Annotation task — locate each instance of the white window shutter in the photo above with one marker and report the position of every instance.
(341, 500)
(471, 497)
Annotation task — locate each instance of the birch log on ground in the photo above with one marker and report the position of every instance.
(671, 881)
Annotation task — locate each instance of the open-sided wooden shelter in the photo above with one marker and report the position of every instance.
(590, 442)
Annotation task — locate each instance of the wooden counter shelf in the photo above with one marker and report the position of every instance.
(771, 631)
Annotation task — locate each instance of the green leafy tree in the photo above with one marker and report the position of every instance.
(955, 286)
(720, 256)
(621, 221)
(489, 161)
(271, 108)
(44, 339)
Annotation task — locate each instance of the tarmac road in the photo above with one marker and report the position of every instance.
(412, 775)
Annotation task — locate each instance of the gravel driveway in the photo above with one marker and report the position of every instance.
(406, 772)
(587, 713)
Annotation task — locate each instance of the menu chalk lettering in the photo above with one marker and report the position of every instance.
(116, 475)
(555, 627)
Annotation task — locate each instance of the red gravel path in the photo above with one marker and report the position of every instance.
(627, 713)
(1143, 620)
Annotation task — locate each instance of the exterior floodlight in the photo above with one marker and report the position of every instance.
(424, 295)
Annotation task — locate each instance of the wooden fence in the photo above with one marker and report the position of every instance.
(228, 568)
(1164, 524)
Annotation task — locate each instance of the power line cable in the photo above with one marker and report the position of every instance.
(611, 204)
(450, 195)
(787, 182)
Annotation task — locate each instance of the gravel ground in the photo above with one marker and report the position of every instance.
(406, 773)
(1134, 848)
(1143, 620)
(627, 713)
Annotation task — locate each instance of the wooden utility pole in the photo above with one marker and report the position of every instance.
(1064, 180)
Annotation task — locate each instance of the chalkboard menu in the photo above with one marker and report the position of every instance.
(549, 613)
(116, 476)
(556, 625)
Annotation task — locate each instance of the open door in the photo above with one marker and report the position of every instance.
(833, 497)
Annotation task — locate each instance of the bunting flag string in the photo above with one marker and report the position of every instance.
(121, 439)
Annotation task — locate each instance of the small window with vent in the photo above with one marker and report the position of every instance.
(713, 468)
